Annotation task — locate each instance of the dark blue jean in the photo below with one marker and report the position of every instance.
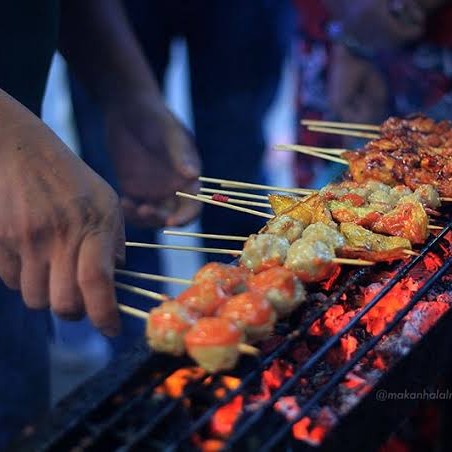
(24, 364)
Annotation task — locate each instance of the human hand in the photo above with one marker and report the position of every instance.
(154, 157)
(356, 89)
(61, 228)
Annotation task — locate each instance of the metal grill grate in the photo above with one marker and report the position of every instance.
(141, 420)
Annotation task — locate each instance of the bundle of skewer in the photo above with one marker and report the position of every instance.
(215, 318)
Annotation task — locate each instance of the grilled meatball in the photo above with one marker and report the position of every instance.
(323, 233)
(285, 226)
(262, 251)
(280, 287)
(204, 298)
(252, 313)
(166, 327)
(230, 278)
(311, 261)
(428, 196)
(213, 343)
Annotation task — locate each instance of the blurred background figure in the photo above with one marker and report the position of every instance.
(236, 51)
(363, 61)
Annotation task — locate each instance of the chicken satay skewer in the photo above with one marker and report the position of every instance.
(152, 277)
(340, 125)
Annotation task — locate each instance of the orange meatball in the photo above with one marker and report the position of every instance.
(166, 327)
(252, 313)
(213, 343)
(280, 287)
(230, 277)
(204, 298)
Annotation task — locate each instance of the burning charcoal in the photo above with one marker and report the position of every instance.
(422, 317)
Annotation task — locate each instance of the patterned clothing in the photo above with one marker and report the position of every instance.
(418, 78)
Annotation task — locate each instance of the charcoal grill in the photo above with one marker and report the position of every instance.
(121, 409)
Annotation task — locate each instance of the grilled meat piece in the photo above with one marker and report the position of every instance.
(252, 313)
(166, 327)
(213, 343)
(280, 287)
(204, 298)
(284, 226)
(408, 220)
(357, 236)
(262, 251)
(311, 261)
(323, 233)
(230, 278)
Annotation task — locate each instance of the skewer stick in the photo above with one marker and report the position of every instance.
(350, 133)
(346, 261)
(151, 277)
(411, 253)
(434, 228)
(340, 125)
(140, 291)
(247, 349)
(242, 202)
(238, 184)
(446, 199)
(183, 248)
(332, 151)
(234, 193)
(234, 238)
(222, 204)
(133, 311)
(307, 151)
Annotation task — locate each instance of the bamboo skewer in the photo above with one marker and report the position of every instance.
(323, 150)
(238, 184)
(151, 277)
(242, 202)
(133, 311)
(307, 151)
(340, 125)
(434, 228)
(237, 238)
(139, 291)
(223, 204)
(184, 248)
(233, 193)
(350, 133)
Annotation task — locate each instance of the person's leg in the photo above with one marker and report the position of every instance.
(24, 365)
(236, 52)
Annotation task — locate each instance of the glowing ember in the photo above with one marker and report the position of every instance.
(377, 318)
(175, 384)
(223, 420)
(334, 319)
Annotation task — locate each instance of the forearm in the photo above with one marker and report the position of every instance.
(100, 47)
